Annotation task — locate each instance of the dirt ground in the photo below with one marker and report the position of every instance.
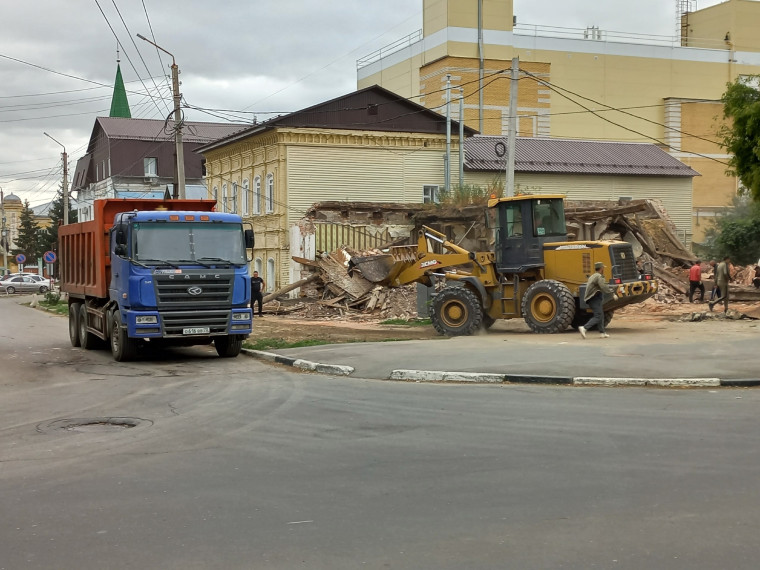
(336, 330)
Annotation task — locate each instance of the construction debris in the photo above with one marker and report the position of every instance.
(326, 290)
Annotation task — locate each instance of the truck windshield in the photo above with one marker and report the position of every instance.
(188, 242)
(549, 217)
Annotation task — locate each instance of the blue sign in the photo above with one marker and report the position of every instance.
(20, 258)
(49, 257)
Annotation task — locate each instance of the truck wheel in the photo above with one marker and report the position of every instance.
(488, 321)
(123, 348)
(74, 323)
(228, 346)
(456, 311)
(87, 340)
(548, 306)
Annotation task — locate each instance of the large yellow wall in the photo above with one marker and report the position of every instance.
(440, 14)
(729, 25)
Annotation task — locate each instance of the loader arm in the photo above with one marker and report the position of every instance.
(406, 264)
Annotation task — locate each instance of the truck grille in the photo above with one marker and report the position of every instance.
(622, 257)
(175, 321)
(197, 290)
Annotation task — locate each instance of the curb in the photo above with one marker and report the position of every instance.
(336, 369)
(492, 378)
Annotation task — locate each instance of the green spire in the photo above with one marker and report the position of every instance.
(119, 102)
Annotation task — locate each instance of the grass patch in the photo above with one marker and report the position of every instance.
(270, 343)
(54, 304)
(408, 323)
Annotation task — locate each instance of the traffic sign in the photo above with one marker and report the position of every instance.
(49, 257)
(20, 258)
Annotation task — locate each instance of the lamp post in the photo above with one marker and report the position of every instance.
(4, 234)
(179, 187)
(65, 181)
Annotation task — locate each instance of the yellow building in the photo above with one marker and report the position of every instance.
(589, 84)
(369, 145)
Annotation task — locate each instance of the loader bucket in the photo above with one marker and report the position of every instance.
(374, 268)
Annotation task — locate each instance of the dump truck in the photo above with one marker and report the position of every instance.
(533, 272)
(159, 273)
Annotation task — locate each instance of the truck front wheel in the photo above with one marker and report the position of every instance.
(548, 306)
(456, 311)
(228, 346)
(74, 323)
(122, 347)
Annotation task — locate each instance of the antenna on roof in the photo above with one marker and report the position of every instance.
(117, 53)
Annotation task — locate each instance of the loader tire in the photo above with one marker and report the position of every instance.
(548, 307)
(456, 311)
(488, 321)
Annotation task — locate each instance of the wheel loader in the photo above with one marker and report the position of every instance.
(533, 272)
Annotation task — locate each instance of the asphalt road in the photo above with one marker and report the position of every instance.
(239, 464)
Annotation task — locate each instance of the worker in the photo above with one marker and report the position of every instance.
(695, 282)
(257, 287)
(722, 277)
(596, 287)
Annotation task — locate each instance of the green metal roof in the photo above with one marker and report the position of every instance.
(119, 102)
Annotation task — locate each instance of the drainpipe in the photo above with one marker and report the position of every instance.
(481, 64)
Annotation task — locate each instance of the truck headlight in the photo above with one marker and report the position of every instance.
(241, 316)
(146, 320)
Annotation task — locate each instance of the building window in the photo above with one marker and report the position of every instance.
(257, 195)
(215, 194)
(257, 265)
(270, 274)
(430, 194)
(150, 166)
(224, 197)
(270, 194)
(234, 198)
(246, 198)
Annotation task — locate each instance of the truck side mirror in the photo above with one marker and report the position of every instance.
(249, 241)
(120, 250)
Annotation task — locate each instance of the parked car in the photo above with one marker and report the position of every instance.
(24, 284)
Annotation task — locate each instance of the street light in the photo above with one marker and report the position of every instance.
(179, 187)
(65, 181)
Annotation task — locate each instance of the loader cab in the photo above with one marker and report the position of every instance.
(521, 225)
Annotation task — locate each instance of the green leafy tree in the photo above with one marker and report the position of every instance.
(741, 133)
(49, 235)
(28, 241)
(736, 233)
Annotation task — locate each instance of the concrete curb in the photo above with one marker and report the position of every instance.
(493, 378)
(335, 369)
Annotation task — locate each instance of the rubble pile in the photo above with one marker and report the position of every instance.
(327, 291)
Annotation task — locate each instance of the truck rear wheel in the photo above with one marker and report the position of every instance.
(74, 323)
(228, 346)
(548, 306)
(87, 340)
(123, 348)
(456, 311)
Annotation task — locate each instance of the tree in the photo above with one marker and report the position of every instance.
(49, 236)
(28, 241)
(736, 233)
(741, 135)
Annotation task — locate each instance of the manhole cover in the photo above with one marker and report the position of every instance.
(93, 424)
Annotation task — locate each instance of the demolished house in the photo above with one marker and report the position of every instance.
(341, 230)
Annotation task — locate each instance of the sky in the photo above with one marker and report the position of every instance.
(238, 59)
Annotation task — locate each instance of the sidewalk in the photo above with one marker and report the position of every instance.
(711, 353)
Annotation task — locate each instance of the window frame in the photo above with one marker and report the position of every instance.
(269, 199)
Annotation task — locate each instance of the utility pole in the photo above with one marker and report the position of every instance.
(4, 234)
(461, 137)
(509, 189)
(179, 187)
(447, 173)
(65, 181)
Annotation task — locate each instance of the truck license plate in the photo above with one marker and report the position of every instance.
(196, 330)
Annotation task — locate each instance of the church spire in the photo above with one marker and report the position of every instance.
(119, 102)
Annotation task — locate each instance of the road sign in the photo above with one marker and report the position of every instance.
(20, 258)
(49, 257)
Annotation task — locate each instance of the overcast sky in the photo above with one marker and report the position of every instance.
(58, 61)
